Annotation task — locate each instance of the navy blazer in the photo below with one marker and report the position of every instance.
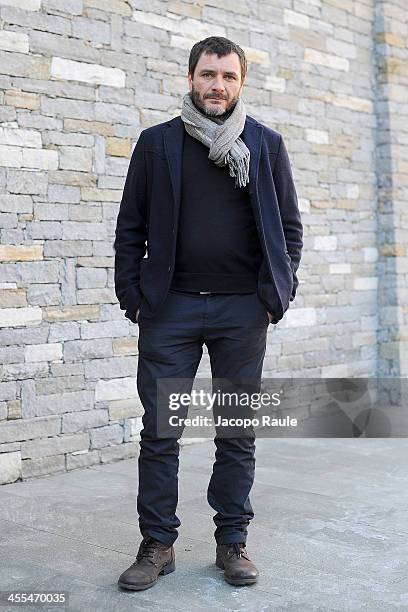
(149, 211)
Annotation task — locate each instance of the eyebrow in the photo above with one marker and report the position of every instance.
(213, 71)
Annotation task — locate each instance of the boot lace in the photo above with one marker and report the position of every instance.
(238, 549)
(148, 550)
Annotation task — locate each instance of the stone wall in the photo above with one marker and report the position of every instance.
(79, 80)
(391, 94)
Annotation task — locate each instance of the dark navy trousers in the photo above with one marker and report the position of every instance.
(234, 329)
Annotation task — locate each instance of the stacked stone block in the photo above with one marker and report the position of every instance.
(79, 80)
(391, 71)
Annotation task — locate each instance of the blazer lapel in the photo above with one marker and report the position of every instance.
(173, 146)
(252, 136)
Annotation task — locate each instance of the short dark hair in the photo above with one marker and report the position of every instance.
(219, 45)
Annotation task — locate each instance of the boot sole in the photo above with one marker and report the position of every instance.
(166, 569)
(241, 581)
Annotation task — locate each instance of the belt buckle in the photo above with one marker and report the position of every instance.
(205, 292)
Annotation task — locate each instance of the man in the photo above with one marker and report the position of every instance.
(211, 192)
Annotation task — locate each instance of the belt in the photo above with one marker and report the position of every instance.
(195, 292)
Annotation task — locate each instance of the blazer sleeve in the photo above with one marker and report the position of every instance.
(289, 210)
(131, 234)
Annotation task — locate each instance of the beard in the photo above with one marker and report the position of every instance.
(212, 112)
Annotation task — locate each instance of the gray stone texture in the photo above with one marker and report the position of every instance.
(78, 83)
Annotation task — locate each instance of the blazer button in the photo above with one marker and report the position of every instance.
(168, 269)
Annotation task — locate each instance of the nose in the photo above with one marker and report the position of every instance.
(218, 85)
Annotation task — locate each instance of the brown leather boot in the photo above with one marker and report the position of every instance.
(238, 567)
(152, 560)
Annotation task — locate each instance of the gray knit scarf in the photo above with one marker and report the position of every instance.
(221, 136)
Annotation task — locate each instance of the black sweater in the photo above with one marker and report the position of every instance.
(218, 246)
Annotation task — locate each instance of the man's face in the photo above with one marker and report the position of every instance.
(217, 83)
